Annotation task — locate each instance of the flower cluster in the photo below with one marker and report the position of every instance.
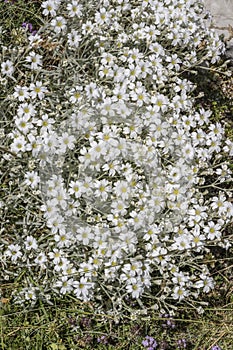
(149, 343)
(122, 153)
(28, 26)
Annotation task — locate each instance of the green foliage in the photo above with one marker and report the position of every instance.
(215, 88)
(73, 325)
(14, 14)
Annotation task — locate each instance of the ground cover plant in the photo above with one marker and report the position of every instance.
(116, 197)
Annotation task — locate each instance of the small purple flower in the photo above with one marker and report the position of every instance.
(170, 323)
(85, 322)
(149, 343)
(181, 344)
(103, 340)
(216, 347)
(28, 26)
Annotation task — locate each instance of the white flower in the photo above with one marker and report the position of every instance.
(198, 213)
(87, 27)
(152, 233)
(66, 141)
(95, 260)
(108, 135)
(111, 167)
(55, 255)
(82, 288)
(74, 9)
(30, 294)
(157, 201)
(97, 149)
(86, 269)
(76, 94)
(219, 203)
(34, 144)
(51, 142)
(49, 208)
(158, 254)
(56, 224)
(50, 7)
(132, 73)
(120, 93)
(216, 130)
(7, 68)
(134, 287)
(133, 268)
(41, 259)
(85, 157)
(206, 282)
(46, 123)
(65, 284)
(61, 264)
(84, 235)
(108, 107)
(213, 230)
(75, 187)
(102, 16)
(107, 59)
(174, 62)
(92, 90)
(31, 243)
(118, 207)
(34, 40)
(139, 95)
(122, 190)
(35, 60)
(21, 92)
(32, 179)
(86, 185)
(188, 151)
(202, 117)
(14, 252)
(58, 24)
(198, 137)
(197, 239)
(188, 122)
(19, 144)
(69, 269)
(180, 278)
(175, 191)
(37, 90)
(159, 102)
(182, 242)
(214, 144)
(179, 293)
(23, 124)
(129, 240)
(102, 189)
(61, 197)
(229, 209)
(74, 38)
(228, 148)
(26, 110)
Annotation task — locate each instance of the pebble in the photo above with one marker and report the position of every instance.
(222, 13)
(222, 16)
